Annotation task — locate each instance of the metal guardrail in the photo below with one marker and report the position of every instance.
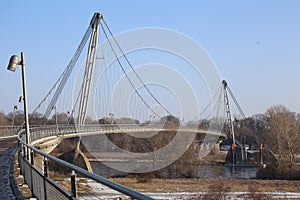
(42, 186)
(55, 130)
(6, 131)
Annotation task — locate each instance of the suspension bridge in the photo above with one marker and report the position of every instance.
(101, 92)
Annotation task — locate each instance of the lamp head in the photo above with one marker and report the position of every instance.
(13, 62)
(21, 99)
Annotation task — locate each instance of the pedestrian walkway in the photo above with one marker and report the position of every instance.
(7, 142)
(8, 186)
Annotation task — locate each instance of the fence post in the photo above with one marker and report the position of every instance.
(31, 156)
(31, 169)
(45, 167)
(24, 152)
(73, 184)
(45, 176)
(19, 154)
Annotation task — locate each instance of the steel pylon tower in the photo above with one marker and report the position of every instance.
(228, 112)
(89, 67)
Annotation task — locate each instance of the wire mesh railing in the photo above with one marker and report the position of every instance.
(41, 181)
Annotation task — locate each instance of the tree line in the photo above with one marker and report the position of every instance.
(278, 129)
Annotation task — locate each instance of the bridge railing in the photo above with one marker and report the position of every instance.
(6, 131)
(42, 132)
(56, 130)
(38, 180)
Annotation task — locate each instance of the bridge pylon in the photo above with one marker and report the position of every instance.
(89, 67)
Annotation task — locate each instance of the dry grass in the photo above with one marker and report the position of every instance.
(204, 185)
(81, 185)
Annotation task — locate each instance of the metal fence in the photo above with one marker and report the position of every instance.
(60, 130)
(39, 182)
(40, 185)
(40, 132)
(6, 131)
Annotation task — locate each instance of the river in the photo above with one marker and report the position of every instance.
(203, 171)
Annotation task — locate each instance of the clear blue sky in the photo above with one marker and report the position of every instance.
(255, 44)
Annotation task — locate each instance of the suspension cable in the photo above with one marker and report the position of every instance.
(236, 103)
(210, 102)
(66, 74)
(126, 75)
(217, 105)
(132, 68)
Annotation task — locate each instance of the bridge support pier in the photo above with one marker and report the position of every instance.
(79, 158)
(216, 149)
(77, 149)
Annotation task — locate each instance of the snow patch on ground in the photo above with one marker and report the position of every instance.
(99, 191)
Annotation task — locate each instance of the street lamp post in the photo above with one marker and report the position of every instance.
(14, 115)
(54, 107)
(13, 62)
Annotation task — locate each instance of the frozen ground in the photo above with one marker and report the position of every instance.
(99, 191)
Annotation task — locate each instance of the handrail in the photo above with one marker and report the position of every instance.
(51, 130)
(7, 131)
(42, 132)
(118, 187)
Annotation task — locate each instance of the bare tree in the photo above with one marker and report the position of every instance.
(3, 119)
(282, 136)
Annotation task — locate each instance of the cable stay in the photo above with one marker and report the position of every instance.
(81, 104)
(62, 80)
(126, 75)
(55, 92)
(132, 68)
(236, 102)
(208, 105)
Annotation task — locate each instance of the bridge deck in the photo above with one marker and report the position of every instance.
(8, 186)
(6, 143)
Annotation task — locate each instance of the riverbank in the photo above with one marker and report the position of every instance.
(196, 188)
(205, 185)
